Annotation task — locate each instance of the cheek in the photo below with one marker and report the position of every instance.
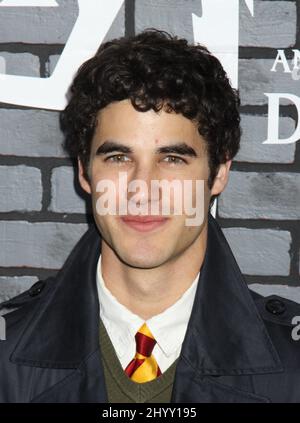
(109, 194)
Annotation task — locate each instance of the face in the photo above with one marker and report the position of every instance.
(148, 146)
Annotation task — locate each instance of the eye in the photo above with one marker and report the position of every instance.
(175, 160)
(117, 158)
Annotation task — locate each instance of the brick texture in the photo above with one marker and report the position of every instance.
(12, 286)
(20, 188)
(252, 195)
(43, 244)
(253, 150)
(49, 25)
(25, 64)
(264, 251)
(256, 79)
(64, 198)
(259, 31)
(31, 133)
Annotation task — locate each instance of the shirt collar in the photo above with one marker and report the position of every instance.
(168, 327)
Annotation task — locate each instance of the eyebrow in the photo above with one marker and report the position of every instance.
(181, 148)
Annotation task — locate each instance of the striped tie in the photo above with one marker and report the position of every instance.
(143, 367)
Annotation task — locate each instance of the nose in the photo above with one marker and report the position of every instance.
(141, 189)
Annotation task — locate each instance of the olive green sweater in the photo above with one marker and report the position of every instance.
(120, 388)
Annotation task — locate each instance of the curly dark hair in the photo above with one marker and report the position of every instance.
(155, 70)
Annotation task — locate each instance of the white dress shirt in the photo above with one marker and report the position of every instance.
(168, 327)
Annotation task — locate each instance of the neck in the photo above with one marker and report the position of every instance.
(161, 286)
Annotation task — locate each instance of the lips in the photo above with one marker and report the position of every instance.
(143, 219)
(144, 223)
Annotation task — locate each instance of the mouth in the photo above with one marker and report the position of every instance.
(144, 223)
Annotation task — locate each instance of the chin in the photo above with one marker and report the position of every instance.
(142, 262)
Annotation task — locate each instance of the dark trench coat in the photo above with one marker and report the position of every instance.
(238, 347)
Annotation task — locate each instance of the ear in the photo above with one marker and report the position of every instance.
(85, 185)
(221, 178)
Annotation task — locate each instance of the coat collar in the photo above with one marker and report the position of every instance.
(225, 334)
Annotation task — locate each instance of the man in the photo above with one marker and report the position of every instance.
(148, 308)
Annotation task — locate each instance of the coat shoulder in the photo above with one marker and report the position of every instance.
(281, 318)
(27, 298)
(276, 309)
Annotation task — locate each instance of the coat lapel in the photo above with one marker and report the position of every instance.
(225, 335)
(86, 384)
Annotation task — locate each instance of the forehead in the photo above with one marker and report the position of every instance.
(121, 121)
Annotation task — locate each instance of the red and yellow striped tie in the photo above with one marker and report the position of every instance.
(143, 367)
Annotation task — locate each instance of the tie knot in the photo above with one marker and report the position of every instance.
(145, 341)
